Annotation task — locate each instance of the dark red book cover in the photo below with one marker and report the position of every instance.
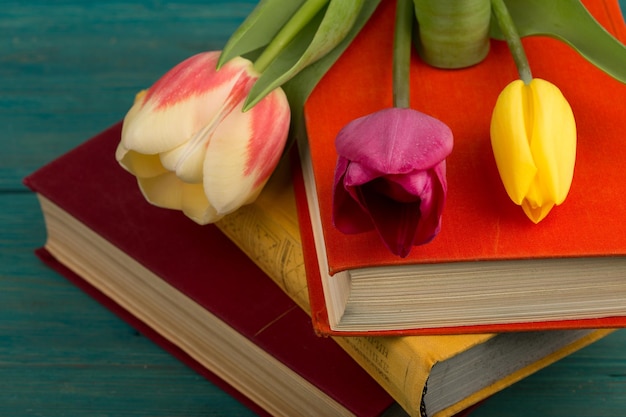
(204, 265)
(480, 223)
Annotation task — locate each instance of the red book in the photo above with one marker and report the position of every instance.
(490, 268)
(201, 299)
(195, 293)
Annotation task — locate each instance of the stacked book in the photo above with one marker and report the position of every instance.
(253, 303)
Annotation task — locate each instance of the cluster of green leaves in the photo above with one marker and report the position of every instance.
(285, 37)
(293, 43)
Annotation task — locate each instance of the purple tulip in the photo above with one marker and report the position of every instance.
(391, 176)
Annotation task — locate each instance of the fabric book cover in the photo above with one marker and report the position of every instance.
(490, 268)
(192, 291)
(197, 295)
(419, 371)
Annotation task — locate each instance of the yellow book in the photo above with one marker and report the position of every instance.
(435, 376)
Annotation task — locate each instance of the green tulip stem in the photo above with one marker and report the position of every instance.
(513, 39)
(402, 54)
(293, 26)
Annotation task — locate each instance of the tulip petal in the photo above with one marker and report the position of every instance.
(181, 103)
(553, 140)
(536, 213)
(244, 150)
(196, 206)
(348, 215)
(395, 141)
(270, 128)
(139, 165)
(510, 123)
(409, 187)
(167, 191)
(225, 184)
(163, 190)
(187, 160)
(396, 222)
(414, 218)
(358, 174)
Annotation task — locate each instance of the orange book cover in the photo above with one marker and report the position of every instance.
(480, 223)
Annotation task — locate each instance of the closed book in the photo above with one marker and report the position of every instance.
(430, 375)
(196, 294)
(192, 291)
(490, 269)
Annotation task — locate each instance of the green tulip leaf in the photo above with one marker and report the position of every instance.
(570, 22)
(302, 84)
(316, 39)
(259, 28)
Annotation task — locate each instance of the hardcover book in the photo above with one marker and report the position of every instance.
(432, 374)
(490, 268)
(192, 291)
(196, 294)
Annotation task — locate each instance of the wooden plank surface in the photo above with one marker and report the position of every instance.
(69, 69)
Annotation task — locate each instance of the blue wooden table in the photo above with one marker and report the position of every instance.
(69, 69)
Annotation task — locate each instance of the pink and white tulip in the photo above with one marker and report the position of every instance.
(391, 177)
(191, 146)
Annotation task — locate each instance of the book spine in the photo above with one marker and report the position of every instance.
(269, 235)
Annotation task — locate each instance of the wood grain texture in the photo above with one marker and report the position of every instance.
(69, 69)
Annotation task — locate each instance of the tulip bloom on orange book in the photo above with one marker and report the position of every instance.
(533, 136)
(391, 168)
(391, 177)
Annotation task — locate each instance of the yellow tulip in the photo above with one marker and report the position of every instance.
(533, 137)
